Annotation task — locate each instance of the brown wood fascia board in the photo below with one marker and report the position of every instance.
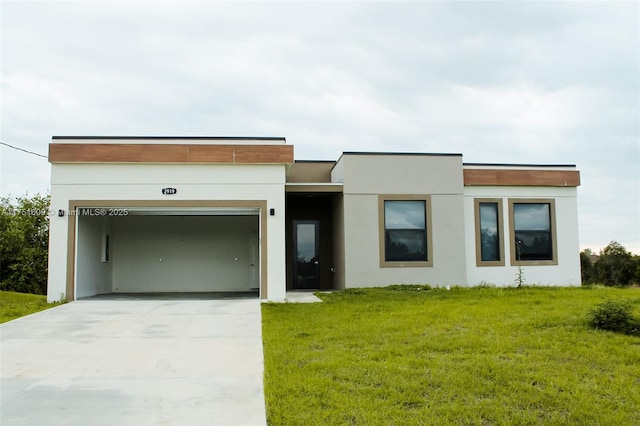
(503, 177)
(170, 153)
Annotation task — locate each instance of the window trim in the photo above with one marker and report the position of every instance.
(428, 230)
(512, 231)
(476, 209)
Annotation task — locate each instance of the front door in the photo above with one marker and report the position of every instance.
(306, 267)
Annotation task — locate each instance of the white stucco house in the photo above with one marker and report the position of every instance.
(236, 214)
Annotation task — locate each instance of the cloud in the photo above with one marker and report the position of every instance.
(515, 82)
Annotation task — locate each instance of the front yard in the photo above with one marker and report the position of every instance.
(466, 356)
(15, 305)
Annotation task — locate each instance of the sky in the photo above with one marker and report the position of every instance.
(500, 82)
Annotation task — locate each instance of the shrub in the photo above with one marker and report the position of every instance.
(587, 267)
(614, 315)
(24, 243)
(616, 266)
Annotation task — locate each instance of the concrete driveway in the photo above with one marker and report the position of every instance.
(135, 361)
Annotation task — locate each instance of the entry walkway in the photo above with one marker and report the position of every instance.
(128, 361)
(302, 296)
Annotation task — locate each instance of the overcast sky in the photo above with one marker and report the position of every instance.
(499, 82)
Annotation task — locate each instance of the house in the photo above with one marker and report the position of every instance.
(230, 214)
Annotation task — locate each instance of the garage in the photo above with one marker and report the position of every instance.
(159, 250)
(154, 214)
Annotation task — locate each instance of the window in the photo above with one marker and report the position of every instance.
(532, 231)
(404, 231)
(489, 241)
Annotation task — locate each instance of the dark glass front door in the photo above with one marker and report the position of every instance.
(306, 268)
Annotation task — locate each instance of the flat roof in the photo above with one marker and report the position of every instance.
(215, 138)
(516, 165)
(427, 154)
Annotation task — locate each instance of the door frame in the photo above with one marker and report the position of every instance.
(72, 225)
(254, 261)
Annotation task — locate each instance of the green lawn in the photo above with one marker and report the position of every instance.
(480, 356)
(15, 305)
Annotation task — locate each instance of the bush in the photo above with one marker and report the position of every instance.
(24, 243)
(587, 267)
(614, 315)
(616, 266)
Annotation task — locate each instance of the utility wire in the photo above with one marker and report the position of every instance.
(23, 150)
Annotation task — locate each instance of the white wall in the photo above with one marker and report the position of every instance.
(93, 275)
(145, 182)
(565, 273)
(170, 174)
(58, 243)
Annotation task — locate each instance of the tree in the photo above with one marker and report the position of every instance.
(616, 266)
(24, 242)
(586, 266)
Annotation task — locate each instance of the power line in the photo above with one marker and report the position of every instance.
(23, 150)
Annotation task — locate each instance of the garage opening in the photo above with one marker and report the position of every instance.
(186, 250)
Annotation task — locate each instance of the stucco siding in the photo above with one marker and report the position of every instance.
(337, 172)
(448, 240)
(94, 274)
(339, 264)
(174, 174)
(438, 177)
(144, 182)
(402, 174)
(567, 270)
(362, 245)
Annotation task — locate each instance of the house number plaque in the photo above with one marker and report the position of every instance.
(169, 191)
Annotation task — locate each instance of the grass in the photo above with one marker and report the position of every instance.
(479, 356)
(15, 305)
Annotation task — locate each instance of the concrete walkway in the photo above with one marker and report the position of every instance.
(136, 362)
(301, 296)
